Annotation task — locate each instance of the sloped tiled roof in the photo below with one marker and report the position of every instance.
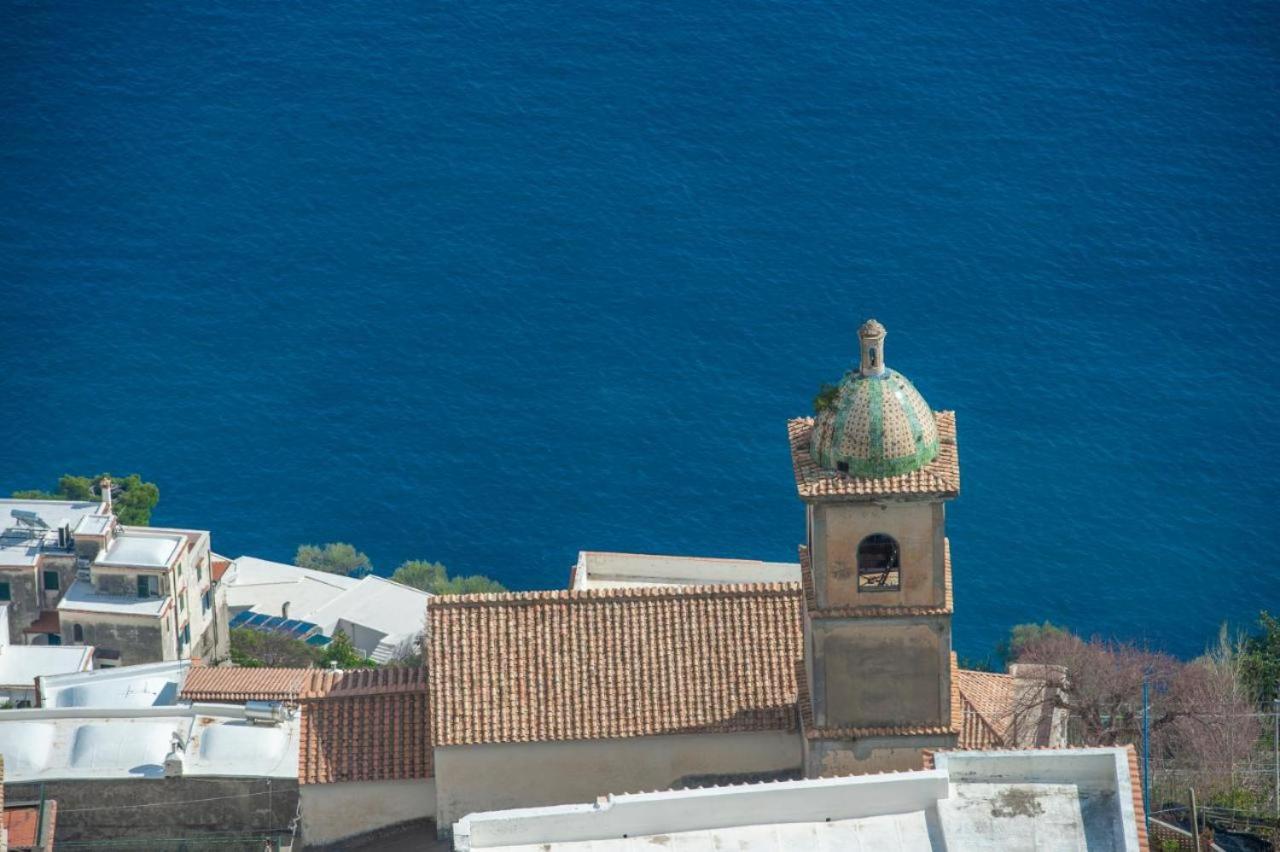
(987, 701)
(218, 567)
(356, 725)
(235, 685)
(940, 477)
(366, 725)
(572, 665)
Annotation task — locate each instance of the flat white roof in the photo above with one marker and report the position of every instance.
(139, 549)
(393, 611)
(20, 665)
(264, 586)
(145, 685)
(20, 548)
(604, 570)
(54, 513)
(48, 744)
(81, 597)
(1059, 800)
(93, 525)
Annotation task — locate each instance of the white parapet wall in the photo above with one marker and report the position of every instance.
(1045, 800)
(641, 814)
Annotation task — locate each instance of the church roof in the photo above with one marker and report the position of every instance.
(940, 477)
(576, 665)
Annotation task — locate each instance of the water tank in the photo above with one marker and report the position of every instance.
(265, 712)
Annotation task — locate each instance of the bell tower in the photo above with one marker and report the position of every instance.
(875, 468)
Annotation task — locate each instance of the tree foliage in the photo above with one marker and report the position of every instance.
(1260, 659)
(1202, 720)
(1022, 636)
(342, 653)
(826, 397)
(132, 505)
(433, 577)
(256, 648)
(335, 557)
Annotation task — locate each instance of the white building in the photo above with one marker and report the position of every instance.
(143, 776)
(1038, 801)
(22, 667)
(383, 619)
(145, 685)
(145, 595)
(603, 570)
(74, 576)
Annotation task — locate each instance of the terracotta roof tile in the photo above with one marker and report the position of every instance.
(590, 664)
(369, 725)
(235, 685)
(841, 733)
(940, 477)
(1139, 812)
(218, 567)
(987, 702)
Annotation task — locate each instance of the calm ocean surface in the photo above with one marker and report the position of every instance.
(491, 283)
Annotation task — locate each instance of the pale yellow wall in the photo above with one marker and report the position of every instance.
(838, 528)
(332, 812)
(516, 775)
(872, 672)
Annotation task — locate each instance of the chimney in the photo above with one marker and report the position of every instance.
(106, 493)
(284, 610)
(175, 760)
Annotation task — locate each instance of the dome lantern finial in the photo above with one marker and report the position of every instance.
(871, 337)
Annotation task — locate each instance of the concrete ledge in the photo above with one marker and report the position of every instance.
(639, 814)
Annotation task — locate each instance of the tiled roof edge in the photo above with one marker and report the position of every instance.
(748, 726)
(886, 731)
(639, 593)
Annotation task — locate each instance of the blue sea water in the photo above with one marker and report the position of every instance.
(489, 283)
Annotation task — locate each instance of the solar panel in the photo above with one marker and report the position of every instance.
(319, 641)
(241, 618)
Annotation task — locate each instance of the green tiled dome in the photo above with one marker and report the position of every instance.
(876, 424)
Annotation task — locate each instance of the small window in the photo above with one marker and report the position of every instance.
(843, 467)
(186, 635)
(873, 356)
(55, 639)
(879, 566)
(204, 602)
(5, 594)
(147, 586)
(77, 634)
(51, 581)
(182, 603)
(200, 570)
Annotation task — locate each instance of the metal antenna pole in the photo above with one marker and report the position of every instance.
(1146, 751)
(1275, 744)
